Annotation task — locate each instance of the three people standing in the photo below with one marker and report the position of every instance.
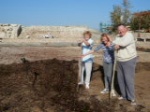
(126, 60)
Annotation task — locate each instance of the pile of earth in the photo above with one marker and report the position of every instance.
(46, 86)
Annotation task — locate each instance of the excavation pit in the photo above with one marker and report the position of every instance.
(51, 86)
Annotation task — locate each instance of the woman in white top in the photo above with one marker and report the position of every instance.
(87, 61)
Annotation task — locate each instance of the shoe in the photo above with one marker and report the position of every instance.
(87, 86)
(120, 98)
(133, 103)
(105, 91)
(80, 83)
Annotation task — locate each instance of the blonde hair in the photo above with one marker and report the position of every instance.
(105, 35)
(87, 33)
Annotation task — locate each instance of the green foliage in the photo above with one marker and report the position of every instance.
(147, 22)
(121, 12)
(134, 23)
(116, 15)
(142, 22)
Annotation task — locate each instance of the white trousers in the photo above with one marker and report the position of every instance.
(86, 68)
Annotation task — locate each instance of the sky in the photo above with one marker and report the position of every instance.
(63, 12)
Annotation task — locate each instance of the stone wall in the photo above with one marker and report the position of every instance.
(10, 30)
(142, 35)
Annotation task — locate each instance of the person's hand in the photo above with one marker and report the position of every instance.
(81, 41)
(117, 47)
(82, 56)
(110, 39)
(79, 44)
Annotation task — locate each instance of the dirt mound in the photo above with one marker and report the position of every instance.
(41, 86)
(30, 86)
(47, 86)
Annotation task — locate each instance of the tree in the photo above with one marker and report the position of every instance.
(141, 20)
(147, 22)
(126, 12)
(116, 15)
(134, 23)
(121, 14)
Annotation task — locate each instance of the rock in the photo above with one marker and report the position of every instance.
(28, 36)
(16, 31)
(2, 34)
(10, 30)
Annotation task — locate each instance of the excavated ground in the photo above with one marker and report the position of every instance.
(32, 80)
(51, 86)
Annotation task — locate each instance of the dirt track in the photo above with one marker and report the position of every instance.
(44, 84)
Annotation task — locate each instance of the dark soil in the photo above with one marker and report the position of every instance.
(50, 86)
(143, 49)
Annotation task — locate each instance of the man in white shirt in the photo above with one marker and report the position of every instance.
(126, 57)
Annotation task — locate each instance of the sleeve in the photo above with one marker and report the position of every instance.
(124, 41)
(116, 40)
(98, 48)
(90, 41)
(112, 46)
(83, 44)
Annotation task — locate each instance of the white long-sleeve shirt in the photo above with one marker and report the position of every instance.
(128, 47)
(86, 49)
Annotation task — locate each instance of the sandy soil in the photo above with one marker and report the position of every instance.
(9, 55)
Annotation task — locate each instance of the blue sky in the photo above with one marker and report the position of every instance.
(62, 12)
